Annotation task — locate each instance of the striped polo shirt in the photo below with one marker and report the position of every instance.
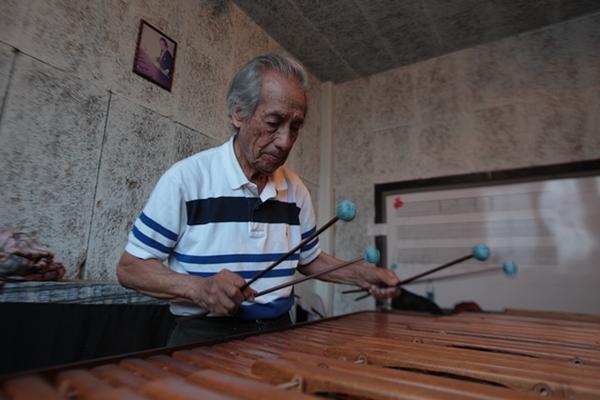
(204, 215)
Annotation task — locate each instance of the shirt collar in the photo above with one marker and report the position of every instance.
(235, 175)
(275, 184)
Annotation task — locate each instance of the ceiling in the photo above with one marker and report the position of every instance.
(341, 40)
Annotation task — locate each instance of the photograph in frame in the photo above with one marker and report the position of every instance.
(155, 56)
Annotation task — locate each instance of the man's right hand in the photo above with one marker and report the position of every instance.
(220, 294)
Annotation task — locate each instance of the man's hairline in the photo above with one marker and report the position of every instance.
(260, 98)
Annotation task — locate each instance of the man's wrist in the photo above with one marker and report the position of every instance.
(187, 287)
(358, 275)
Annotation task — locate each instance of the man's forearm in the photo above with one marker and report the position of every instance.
(350, 274)
(153, 278)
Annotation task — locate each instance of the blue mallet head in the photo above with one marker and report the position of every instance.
(371, 255)
(509, 268)
(481, 252)
(345, 210)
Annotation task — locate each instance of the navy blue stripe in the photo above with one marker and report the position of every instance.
(308, 233)
(266, 311)
(275, 273)
(150, 242)
(232, 258)
(310, 245)
(241, 209)
(152, 224)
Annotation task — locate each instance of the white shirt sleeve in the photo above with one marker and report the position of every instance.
(156, 231)
(308, 225)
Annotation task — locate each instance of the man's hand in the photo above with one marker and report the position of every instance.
(381, 282)
(220, 294)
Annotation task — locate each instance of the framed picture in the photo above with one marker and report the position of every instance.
(155, 56)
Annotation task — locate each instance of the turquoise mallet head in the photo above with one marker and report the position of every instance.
(481, 252)
(371, 255)
(509, 268)
(345, 210)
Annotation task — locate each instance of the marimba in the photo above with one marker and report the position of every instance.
(367, 355)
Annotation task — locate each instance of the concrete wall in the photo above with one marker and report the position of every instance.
(531, 99)
(83, 139)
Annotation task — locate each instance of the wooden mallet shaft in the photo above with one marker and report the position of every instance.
(509, 268)
(308, 277)
(459, 275)
(344, 210)
(289, 253)
(414, 278)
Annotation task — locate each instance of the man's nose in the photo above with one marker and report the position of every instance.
(285, 138)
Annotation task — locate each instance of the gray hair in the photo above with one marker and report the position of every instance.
(244, 92)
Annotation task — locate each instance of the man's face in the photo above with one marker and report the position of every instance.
(266, 138)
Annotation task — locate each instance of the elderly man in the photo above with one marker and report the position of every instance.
(224, 214)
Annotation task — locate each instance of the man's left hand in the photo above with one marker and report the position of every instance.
(382, 283)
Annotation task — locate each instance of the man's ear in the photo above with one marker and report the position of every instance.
(236, 118)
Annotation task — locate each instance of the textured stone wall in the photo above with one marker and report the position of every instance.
(531, 99)
(83, 139)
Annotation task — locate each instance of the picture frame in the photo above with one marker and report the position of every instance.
(155, 55)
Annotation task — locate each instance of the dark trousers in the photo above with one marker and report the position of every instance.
(193, 330)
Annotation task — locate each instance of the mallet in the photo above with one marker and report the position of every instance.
(509, 268)
(480, 252)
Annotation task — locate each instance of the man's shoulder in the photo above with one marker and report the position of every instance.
(293, 180)
(289, 175)
(195, 162)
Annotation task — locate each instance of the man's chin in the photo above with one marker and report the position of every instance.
(270, 169)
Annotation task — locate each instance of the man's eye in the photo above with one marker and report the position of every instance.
(273, 124)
